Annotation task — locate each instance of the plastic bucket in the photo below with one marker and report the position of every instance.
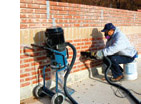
(131, 70)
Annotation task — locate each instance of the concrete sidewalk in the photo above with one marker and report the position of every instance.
(96, 91)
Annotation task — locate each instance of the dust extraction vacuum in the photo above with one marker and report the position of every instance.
(58, 53)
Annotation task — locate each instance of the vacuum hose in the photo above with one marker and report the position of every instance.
(117, 85)
(68, 71)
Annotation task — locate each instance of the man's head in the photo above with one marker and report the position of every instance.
(109, 29)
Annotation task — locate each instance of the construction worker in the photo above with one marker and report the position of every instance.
(118, 49)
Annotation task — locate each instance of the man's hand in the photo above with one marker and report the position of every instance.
(99, 55)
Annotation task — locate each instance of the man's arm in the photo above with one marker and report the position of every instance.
(118, 45)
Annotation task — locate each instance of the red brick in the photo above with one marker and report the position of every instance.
(41, 11)
(72, 5)
(28, 60)
(83, 69)
(22, 5)
(69, 41)
(72, 13)
(53, 3)
(68, 16)
(22, 15)
(33, 6)
(31, 78)
(77, 40)
(34, 77)
(29, 69)
(24, 84)
(62, 4)
(76, 25)
(56, 8)
(63, 12)
(84, 47)
(43, 6)
(24, 26)
(23, 56)
(33, 16)
(40, 2)
(35, 63)
(25, 10)
(80, 43)
(22, 1)
(42, 16)
(76, 70)
(30, 1)
(54, 12)
(21, 71)
(28, 50)
(84, 39)
(41, 58)
(34, 73)
(21, 61)
(21, 80)
(88, 43)
(36, 81)
(28, 79)
(24, 65)
(24, 75)
(38, 72)
(58, 16)
(33, 25)
(77, 48)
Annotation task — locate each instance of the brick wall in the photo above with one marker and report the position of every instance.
(81, 24)
(40, 14)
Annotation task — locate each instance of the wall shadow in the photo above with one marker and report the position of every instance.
(40, 60)
(95, 66)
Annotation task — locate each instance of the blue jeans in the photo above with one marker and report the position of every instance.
(116, 60)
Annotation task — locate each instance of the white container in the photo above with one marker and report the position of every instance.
(131, 70)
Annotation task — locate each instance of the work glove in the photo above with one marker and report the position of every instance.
(99, 55)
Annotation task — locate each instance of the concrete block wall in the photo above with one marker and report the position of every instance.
(81, 24)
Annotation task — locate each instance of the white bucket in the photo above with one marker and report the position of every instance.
(131, 70)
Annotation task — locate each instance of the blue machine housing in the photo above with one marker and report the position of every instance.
(59, 60)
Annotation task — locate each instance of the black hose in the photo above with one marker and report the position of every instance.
(117, 85)
(68, 71)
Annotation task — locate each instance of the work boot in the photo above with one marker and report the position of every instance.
(117, 79)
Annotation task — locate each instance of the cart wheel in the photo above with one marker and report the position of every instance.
(38, 91)
(58, 98)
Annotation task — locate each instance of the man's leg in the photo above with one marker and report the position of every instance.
(116, 60)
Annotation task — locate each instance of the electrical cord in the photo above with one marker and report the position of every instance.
(118, 93)
(118, 85)
(135, 92)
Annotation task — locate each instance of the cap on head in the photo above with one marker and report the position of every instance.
(108, 26)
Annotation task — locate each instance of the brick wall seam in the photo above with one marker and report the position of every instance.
(48, 9)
